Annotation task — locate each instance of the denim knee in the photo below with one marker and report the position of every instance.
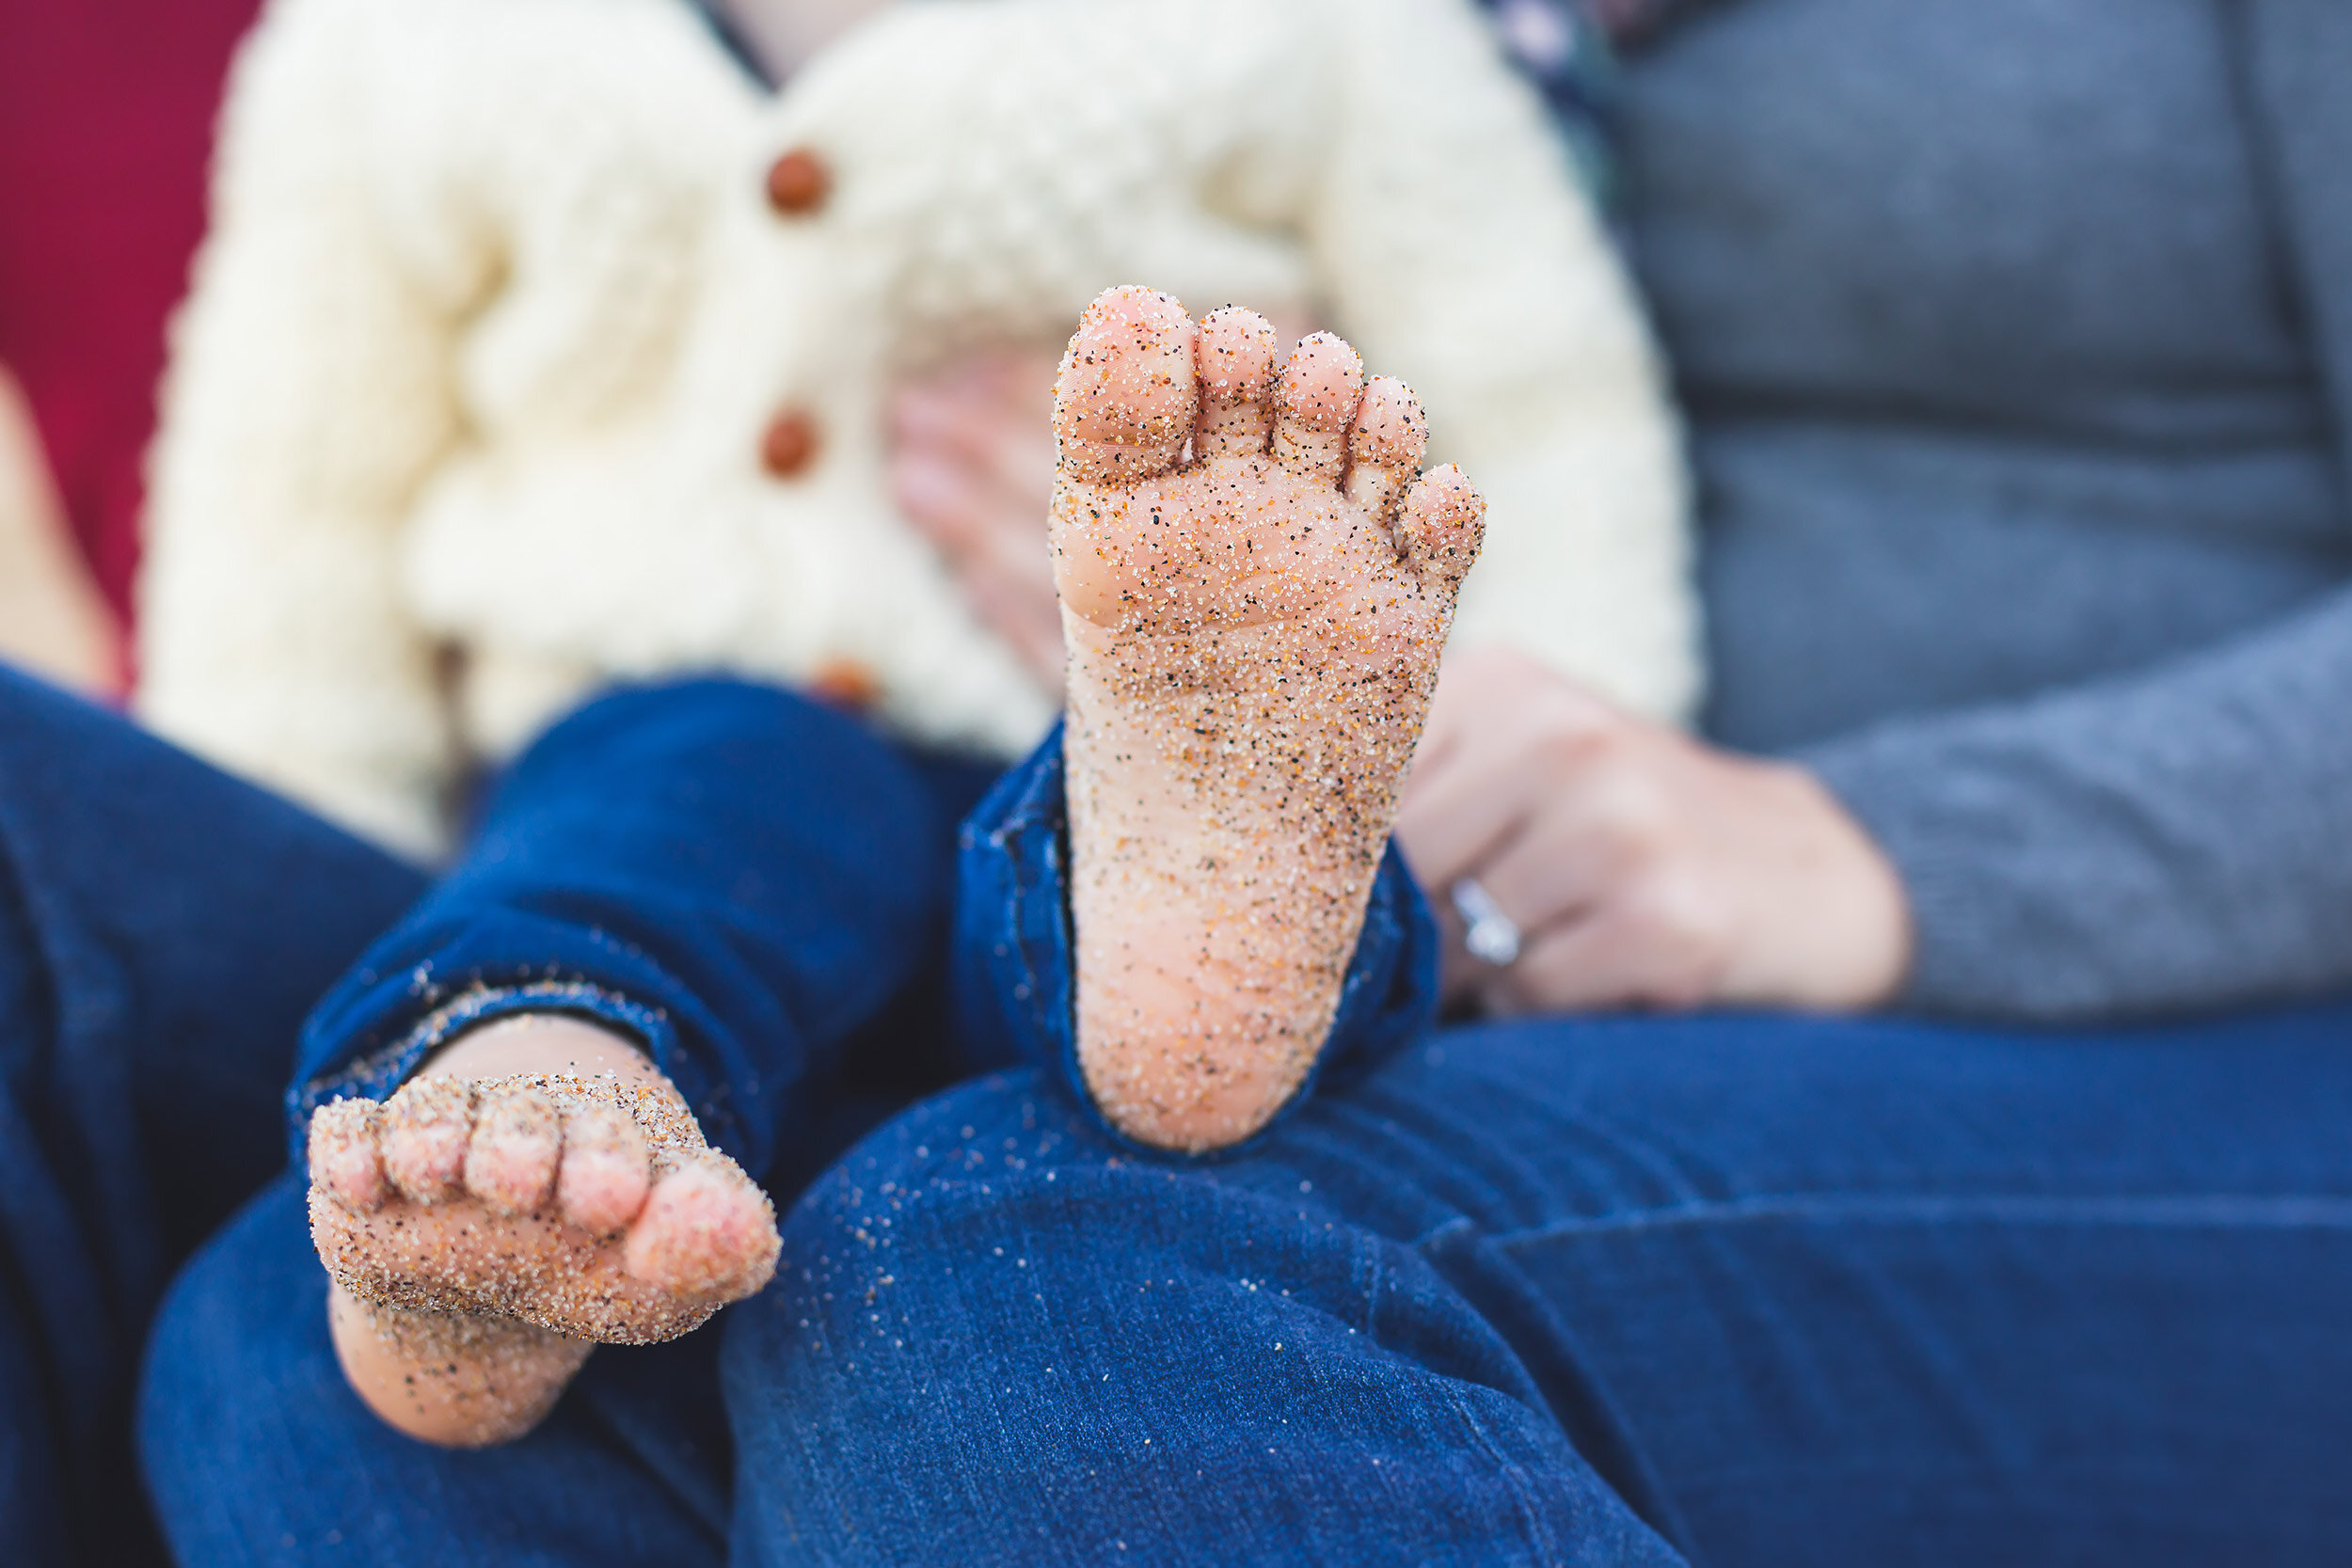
(999, 1333)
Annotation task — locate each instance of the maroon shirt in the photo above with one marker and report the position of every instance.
(107, 112)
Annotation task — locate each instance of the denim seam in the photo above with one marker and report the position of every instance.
(2243, 1212)
(1531, 1512)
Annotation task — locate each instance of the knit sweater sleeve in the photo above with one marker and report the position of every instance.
(438, 228)
(2166, 842)
(308, 395)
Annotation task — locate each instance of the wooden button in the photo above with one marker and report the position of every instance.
(790, 444)
(798, 182)
(844, 683)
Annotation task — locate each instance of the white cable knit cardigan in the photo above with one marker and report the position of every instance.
(495, 309)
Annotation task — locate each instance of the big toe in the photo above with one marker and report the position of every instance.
(708, 1232)
(1124, 399)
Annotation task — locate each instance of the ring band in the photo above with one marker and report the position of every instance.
(1491, 936)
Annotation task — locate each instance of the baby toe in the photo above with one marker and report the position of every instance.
(346, 1160)
(511, 1164)
(1315, 397)
(707, 1232)
(604, 1177)
(426, 1128)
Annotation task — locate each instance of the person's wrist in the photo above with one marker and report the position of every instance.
(1849, 935)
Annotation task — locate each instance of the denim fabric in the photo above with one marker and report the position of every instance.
(258, 1452)
(740, 878)
(1717, 1289)
(756, 887)
(1011, 955)
(1768, 1290)
(161, 929)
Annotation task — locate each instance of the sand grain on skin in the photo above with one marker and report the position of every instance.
(533, 1267)
(1251, 659)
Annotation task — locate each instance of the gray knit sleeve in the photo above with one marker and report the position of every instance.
(2176, 840)
(2179, 838)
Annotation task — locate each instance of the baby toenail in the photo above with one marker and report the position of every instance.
(798, 182)
(790, 444)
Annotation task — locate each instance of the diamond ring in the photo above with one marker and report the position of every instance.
(1491, 936)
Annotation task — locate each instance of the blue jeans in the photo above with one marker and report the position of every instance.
(755, 887)
(1713, 1289)
(1721, 1289)
(163, 931)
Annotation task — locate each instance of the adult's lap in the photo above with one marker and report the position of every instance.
(1782, 1289)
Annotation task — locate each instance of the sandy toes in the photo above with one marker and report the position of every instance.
(492, 1222)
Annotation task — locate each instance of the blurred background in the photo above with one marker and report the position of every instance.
(106, 115)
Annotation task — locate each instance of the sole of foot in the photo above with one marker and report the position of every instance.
(536, 1190)
(1256, 585)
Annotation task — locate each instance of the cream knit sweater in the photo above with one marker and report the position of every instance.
(467, 407)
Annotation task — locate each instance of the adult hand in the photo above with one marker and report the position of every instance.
(1643, 868)
(972, 467)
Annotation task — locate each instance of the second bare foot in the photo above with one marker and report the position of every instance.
(536, 1190)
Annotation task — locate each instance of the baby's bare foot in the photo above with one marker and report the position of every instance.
(1253, 631)
(538, 1189)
